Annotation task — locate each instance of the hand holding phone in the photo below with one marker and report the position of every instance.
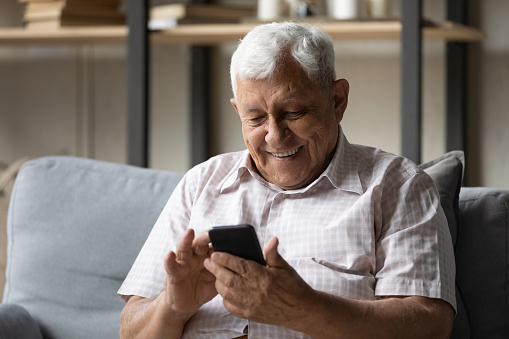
(238, 240)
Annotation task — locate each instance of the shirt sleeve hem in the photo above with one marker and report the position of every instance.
(409, 287)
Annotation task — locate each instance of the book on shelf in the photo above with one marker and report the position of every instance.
(110, 3)
(68, 22)
(167, 23)
(56, 5)
(171, 15)
(180, 11)
(85, 12)
(57, 13)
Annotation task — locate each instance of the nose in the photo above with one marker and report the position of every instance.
(277, 132)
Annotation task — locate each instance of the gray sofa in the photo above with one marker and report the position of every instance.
(75, 226)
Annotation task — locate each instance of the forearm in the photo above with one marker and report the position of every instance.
(331, 316)
(151, 318)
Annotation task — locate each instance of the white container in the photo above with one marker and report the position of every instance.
(343, 9)
(271, 9)
(378, 9)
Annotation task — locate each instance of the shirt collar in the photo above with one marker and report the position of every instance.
(341, 172)
(237, 171)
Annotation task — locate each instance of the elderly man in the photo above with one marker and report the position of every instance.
(355, 241)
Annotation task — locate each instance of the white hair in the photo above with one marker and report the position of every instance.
(265, 47)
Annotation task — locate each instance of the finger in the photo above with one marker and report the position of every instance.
(202, 239)
(235, 264)
(235, 310)
(211, 266)
(233, 302)
(184, 247)
(272, 256)
(227, 282)
(215, 266)
(201, 244)
(170, 263)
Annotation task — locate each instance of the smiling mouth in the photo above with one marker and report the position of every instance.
(286, 154)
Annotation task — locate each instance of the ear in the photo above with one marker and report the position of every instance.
(340, 90)
(234, 104)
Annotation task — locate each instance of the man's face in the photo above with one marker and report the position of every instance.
(290, 125)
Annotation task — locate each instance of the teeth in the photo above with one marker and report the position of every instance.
(286, 154)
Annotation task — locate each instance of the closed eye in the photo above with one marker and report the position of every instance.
(295, 115)
(257, 120)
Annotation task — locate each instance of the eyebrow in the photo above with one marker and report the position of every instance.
(287, 100)
(282, 102)
(252, 108)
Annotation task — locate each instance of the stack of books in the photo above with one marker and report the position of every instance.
(52, 14)
(171, 15)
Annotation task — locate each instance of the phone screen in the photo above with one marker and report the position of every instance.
(238, 240)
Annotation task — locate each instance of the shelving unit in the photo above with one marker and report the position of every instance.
(410, 31)
(214, 34)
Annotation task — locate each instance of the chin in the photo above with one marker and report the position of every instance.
(291, 184)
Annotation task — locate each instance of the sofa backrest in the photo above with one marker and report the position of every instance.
(75, 227)
(99, 214)
(482, 264)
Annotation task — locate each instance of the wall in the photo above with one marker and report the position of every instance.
(488, 116)
(72, 99)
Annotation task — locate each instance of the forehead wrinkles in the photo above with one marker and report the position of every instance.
(269, 107)
(288, 84)
(265, 97)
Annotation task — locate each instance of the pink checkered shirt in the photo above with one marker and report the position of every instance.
(371, 225)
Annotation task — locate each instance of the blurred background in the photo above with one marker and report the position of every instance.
(71, 99)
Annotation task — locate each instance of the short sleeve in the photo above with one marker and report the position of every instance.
(414, 251)
(147, 275)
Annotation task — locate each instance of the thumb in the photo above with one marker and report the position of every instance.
(272, 256)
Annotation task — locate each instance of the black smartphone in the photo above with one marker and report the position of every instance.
(239, 240)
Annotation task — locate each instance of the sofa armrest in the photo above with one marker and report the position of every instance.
(16, 322)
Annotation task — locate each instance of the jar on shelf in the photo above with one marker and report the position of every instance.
(281, 9)
(343, 9)
(378, 9)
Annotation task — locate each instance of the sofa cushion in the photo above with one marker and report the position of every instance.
(75, 227)
(482, 263)
(447, 173)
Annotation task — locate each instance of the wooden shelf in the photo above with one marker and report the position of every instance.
(348, 30)
(71, 35)
(211, 34)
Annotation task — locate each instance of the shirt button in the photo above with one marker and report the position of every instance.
(315, 190)
(285, 195)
